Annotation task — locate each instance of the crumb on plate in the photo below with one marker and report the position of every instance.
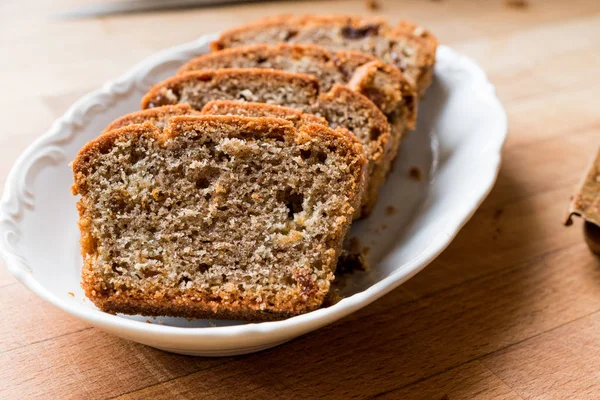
(415, 173)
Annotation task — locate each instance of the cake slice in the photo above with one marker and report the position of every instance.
(382, 83)
(341, 107)
(215, 216)
(408, 46)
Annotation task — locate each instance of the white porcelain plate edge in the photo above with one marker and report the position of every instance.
(238, 339)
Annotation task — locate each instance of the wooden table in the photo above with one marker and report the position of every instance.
(510, 310)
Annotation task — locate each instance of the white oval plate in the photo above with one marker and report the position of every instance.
(462, 127)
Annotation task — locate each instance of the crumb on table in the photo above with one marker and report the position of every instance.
(373, 4)
(498, 213)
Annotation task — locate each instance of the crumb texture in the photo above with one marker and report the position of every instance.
(250, 109)
(157, 116)
(383, 84)
(216, 216)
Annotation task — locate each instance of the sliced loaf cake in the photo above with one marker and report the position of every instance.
(408, 46)
(341, 107)
(382, 83)
(215, 216)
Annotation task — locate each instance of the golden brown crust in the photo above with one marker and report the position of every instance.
(250, 109)
(154, 115)
(419, 39)
(156, 98)
(265, 126)
(381, 147)
(173, 302)
(586, 201)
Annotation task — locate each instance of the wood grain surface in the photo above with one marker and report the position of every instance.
(509, 311)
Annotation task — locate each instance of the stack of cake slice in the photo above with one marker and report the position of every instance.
(229, 195)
